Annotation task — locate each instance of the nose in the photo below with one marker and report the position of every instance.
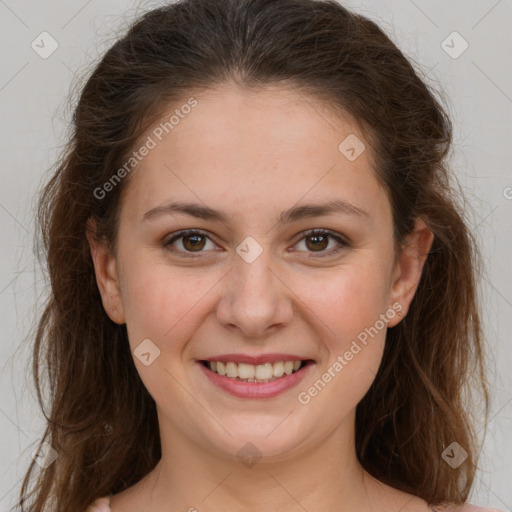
(255, 299)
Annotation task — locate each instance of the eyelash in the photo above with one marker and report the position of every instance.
(344, 243)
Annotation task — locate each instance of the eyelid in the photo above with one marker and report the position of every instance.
(182, 234)
(342, 240)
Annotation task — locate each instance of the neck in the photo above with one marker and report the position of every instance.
(324, 476)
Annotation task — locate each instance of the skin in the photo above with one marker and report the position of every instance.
(254, 154)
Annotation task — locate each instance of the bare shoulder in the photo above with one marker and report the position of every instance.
(131, 499)
(467, 507)
(474, 508)
(103, 505)
(100, 505)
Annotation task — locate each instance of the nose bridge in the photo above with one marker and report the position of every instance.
(253, 275)
(254, 299)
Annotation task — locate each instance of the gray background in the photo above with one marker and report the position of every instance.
(34, 99)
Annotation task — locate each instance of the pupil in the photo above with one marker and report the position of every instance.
(316, 238)
(194, 245)
(318, 241)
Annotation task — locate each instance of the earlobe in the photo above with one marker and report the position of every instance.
(409, 268)
(105, 268)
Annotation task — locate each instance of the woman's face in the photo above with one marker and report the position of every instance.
(254, 285)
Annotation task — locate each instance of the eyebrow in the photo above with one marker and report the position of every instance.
(293, 214)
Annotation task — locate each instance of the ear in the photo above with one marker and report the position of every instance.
(409, 267)
(105, 267)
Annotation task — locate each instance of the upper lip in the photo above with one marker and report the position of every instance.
(256, 360)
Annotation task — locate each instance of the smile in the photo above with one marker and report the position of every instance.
(243, 372)
(264, 380)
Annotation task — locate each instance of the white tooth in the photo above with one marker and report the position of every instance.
(296, 365)
(246, 371)
(278, 369)
(221, 368)
(288, 367)
(264, 371)
(231, 369)
(213, 366)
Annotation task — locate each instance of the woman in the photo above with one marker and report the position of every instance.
(263, 290)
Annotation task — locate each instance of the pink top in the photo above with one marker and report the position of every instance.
(103, 505)
(100, 505)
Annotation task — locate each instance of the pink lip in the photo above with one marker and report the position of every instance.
(254, 389)
(266, 358)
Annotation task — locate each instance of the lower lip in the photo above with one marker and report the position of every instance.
(256, 389)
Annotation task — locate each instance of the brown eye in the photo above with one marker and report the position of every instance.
(190, 241)
(193, 242)
(186, 243)
(318, 242)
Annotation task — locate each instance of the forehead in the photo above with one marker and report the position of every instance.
(251, 148)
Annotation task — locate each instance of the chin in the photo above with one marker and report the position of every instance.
(268, 440)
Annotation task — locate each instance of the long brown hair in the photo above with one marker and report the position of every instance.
(101, 420)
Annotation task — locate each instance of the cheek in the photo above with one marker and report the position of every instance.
(164, 305)
(160, 302)
(347, 307)
(347, 300)
(347, 312)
